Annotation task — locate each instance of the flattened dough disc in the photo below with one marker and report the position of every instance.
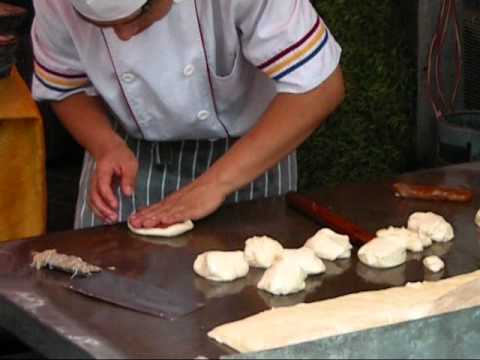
(171, 231)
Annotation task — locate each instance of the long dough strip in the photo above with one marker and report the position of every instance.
(308, 322)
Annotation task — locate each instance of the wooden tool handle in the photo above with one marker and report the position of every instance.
(427, 192)
(323, 215)
(11, 10)
(7, 40)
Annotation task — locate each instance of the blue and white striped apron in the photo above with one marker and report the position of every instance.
(165, 167)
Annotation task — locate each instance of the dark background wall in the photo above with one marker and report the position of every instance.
(372, 134)
(23, 61)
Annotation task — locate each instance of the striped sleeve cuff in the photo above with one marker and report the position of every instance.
(297, 55)
(58, 82)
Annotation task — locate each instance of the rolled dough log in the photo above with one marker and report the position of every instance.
(412, 239)
(306, 259)
(69, 264)
(434, 264)
(431, 225)
(302, 323)
(262, 251)
(477, 218)
(329, 245)
(170, 231)
(221, 266)
(383, 253)
(285, 277)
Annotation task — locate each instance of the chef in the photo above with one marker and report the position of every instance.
(184, 105)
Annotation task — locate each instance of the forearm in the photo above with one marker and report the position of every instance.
(86, 119)
(289, 120)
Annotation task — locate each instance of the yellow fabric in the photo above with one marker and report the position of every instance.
(22, 162)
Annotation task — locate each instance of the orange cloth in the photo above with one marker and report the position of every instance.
(22, 162)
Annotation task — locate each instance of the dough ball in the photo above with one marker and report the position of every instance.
(431, 225)
(477, 218)
(383, 253)
(434, 264)
(221, 266)
(426, 240)
(262, 251)
(410, 238)
(306, 259)
(329, 245)
(285, 277)
(171, 231)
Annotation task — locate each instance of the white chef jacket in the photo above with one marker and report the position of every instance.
(158, 84)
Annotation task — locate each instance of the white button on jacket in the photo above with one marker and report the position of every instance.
(128, 77)
(254, 50)
(203, 115)
(189, 70)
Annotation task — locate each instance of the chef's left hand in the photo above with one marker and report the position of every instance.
(195, 201)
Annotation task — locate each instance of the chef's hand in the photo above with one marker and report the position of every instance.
(117, 164)
(195, 201)
(87, 119)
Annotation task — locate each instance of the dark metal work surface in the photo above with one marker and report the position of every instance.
(57, 322)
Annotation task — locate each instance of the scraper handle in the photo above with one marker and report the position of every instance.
(326, 217)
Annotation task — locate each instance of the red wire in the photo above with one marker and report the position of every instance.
(431, 58)
(459, 57)
(442, 32)
(438, 99)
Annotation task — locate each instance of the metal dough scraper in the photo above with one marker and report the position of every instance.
(135, 295)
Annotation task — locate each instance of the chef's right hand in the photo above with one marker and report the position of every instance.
(117, 164)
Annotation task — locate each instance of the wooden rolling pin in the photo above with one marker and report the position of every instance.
(428, 192)
(328, 218)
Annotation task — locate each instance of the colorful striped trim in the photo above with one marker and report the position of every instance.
(59, 82)
(69, 76)
(298, 54)
(54, 88)
(305, 60)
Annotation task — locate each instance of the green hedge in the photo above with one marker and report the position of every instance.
(371, 135)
